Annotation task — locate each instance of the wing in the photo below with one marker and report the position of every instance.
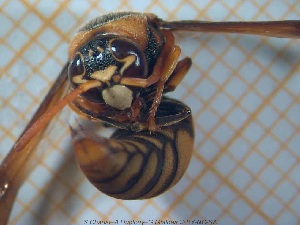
(17, 164)
(281, 29)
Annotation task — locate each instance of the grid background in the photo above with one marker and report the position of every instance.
(243, 90)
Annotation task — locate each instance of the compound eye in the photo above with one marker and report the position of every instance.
(132, 56)
(76, 70)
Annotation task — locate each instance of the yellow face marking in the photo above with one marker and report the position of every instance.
(100, 49)
(104, 75)
(79, 79)
(128, 61)
(91, 53)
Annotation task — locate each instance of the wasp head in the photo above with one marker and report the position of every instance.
(108, 58)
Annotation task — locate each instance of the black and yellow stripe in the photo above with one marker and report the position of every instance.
(136, 165)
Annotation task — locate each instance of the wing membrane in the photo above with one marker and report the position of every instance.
(17, 165)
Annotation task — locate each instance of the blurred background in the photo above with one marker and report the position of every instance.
(243, 91)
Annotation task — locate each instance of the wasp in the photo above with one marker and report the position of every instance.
(120, 67)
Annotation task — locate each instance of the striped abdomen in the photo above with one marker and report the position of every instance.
(133, 165)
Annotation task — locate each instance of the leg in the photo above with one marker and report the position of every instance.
(179, 73)
(170, 55)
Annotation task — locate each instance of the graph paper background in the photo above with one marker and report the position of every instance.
(243, 90)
